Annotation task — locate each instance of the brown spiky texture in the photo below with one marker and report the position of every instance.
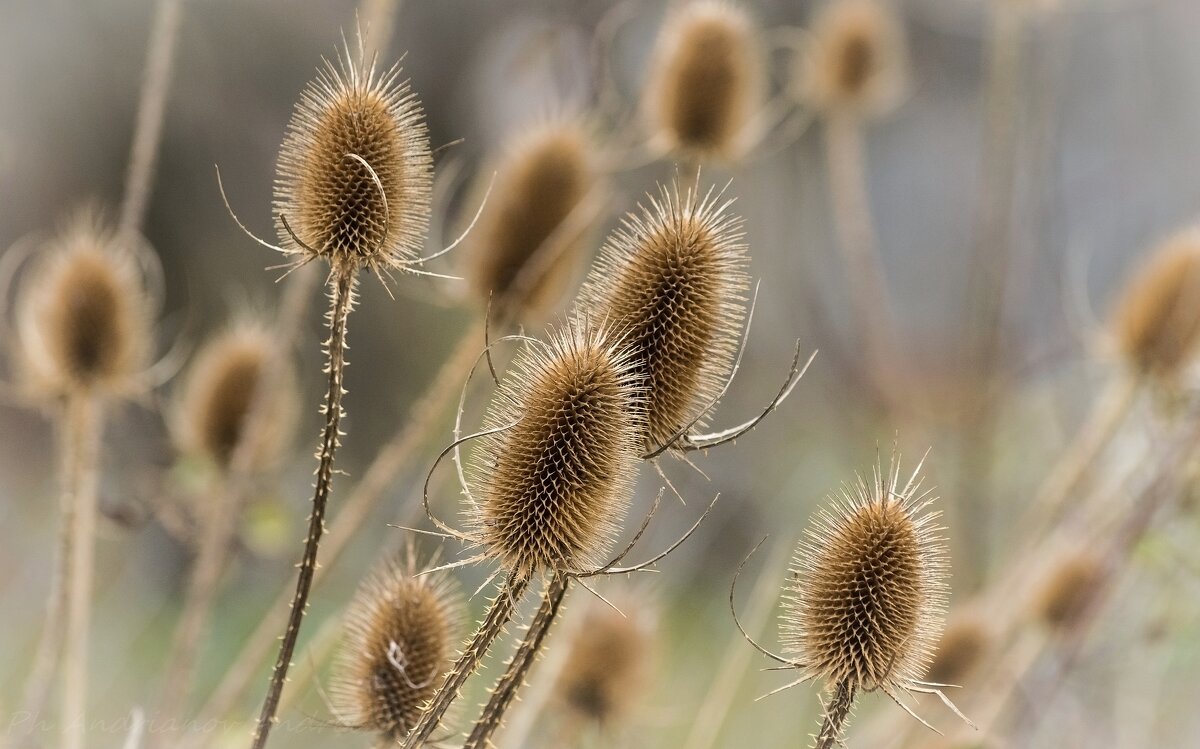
(673, 279)
(328, 197)
(553, 488)
(707, 79)
(401, 631)
(1068, 590)
(84, 315)
(857, 62)
(1157, 320)
(211, 416)
(865, 600)
(523, 251)
(608, 664)
(962, 646)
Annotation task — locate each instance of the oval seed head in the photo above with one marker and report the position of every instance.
(857, 63)
(964, 642)
(673, 278)
(354, 177)
(1157, 323)
(1068, 590)
(556, 485)
(224, 379)
(400, 637)
(83, 316)
(608, 664)
(707, 81)
(527, 244)
(866, 596)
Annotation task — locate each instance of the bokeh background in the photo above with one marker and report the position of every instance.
(1108, 139)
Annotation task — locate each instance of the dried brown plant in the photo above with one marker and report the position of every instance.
(856, 64)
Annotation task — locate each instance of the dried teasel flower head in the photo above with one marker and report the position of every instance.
(608, 664)
(857, 63)
(865, 600)
(673, 278)
(527, 243)
(212, 413)
(707, 80)
(555, 484)
(401, 632)
(83, 317)
(966, 639)
(1157, 321)
(1068, 589)
(354, 177)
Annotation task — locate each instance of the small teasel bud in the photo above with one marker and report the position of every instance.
(1068, 590)
(608, 663)
(1157, 322)
(83, 315)
(673, 278)
(964, 642)
(526, 245)
(401, 631)
(555, 485)
(225, 378)
(857, 63)
(865, 599)
(355, 169)
(707, 79)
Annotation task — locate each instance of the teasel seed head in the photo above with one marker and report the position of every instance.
(1157, 323)
(401, 632)
(857, 63)
(527, 243)
(608, 663)
(964, 642)
(354, 177)
(224, 379)
(555, 486)
(865, 600)
(1068, 589)
(707, 79)
(83, 320)
(673, 279)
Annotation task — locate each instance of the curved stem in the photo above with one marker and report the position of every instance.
(518, 667)
(83, 423)
(341, 303)
(836, 713)
(498, 615)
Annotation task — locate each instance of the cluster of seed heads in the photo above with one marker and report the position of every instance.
(83, 318)
(708, 79)
(856, 62)
(400, 634)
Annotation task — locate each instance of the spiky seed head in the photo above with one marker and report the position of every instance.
(866, 595)
(400, 635)
(354, 176)
(1068, 589)
(608, 663)
(221, 385)
(526, 246)
(673, 278)
(964, 642)
(84, 315)
(1157, 322)
(555, 486)
(857, 63)
(707, 79)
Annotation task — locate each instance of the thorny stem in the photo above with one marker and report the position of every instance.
(82, 454)
(836, 713)
(845, 153)
(518, 667)
(498, 615)
(395, 457)
(340, 305)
